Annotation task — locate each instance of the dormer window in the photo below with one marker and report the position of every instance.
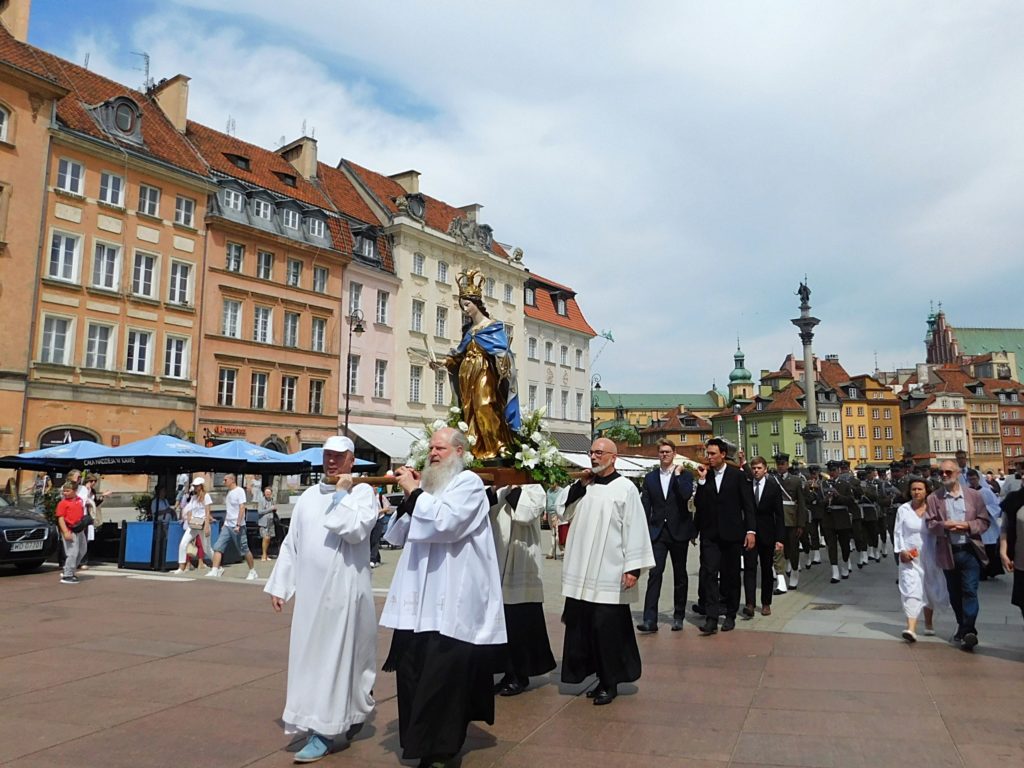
(316, 227)
(262, 209)
(120, 118)
(366, 246)
(760, 405)
(239, 161)
(289, 180)
(530, 297)
(561, 307)
(290, 218)
(233, 200)
(852, 392)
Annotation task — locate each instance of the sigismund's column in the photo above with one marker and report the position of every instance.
(812, 433)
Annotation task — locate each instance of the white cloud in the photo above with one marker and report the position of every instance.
(681, 165)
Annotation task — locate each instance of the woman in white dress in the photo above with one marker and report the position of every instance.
(922, 583)
(196, 520)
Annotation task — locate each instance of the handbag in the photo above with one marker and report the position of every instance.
(196, 525)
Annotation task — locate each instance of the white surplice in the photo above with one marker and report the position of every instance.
(325, 564)
(447, 577)
(517, 541)
(608, 536)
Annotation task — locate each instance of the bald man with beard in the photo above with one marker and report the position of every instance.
(444, 603)
(609, 545)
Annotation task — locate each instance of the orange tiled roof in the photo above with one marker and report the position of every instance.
(438, 214)
(921, 407)
(833, 374)
(88, 89)
(343, 194)
(544, 309)
(672, 421)
(264, 165)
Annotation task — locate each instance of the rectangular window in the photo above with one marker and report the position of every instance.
(945, 422)
(579, 359)
(419, 263)
(137, 352)
(353, 374)
(316, 396)
(531, 348)
(442, 271)
(549, 399)
(849, 432)
(262, 328)
(291, 329)
(177, 290)
(776, 449)
(382, 307)
(226, 386)
(380, 376)
(889, 452)
(835, 416)
(959, 445)
(876, 434)
(415, 377)
(860, 410)
(320, 279)
(264, 265)
(184, 211)
(565, 404)
(69, 176)
(949, 445)
(149, 200)
(235, 257)
(144, 275)
(529, 297)
(176, 357)
(289, 385)
(579, 406)
(262, 209)
(294, 274)
(878, 453)
(775, 429)
(355, 297)
(549, 349)
(849, 411)
(564, 355)
(874, 415)
(316, 227)
(887, 413)
(508, 293)
(97, 346)
(111, 189)
(319, 335)
(290, 218)
(532, 397)
(441, 327)
(64, 250)
(105, 266)
(836, 437)
(561, 307)
(439, 377)
(231, 319)
(797, 425)
(258, 391)
(753, 429)
(233, 200)
(416, 321)
(489, 287)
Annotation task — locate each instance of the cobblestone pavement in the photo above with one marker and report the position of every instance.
(140, 669)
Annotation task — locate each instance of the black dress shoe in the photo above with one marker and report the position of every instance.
(605, 695)
(677, 625)
(500, 685)
(699, 609)
(646, 628)
(709, 627)
(512, 688)
(729, 624)
(747, 611)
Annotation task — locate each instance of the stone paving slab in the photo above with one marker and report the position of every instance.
(140, 669)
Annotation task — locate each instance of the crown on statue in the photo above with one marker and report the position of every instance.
(471, 284)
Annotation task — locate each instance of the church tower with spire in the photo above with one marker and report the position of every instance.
(741, 383)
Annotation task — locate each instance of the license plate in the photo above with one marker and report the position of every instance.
(26, 546)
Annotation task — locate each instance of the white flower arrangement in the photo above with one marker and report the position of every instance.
(419, 450)
(538, 453)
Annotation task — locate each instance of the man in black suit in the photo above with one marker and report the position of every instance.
(665, 494)
(726, 523)
(771, 535)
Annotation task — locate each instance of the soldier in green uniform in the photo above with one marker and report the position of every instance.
(871, 512)
(794, 507)
(860, 539)
(815, 497)
(837, 522)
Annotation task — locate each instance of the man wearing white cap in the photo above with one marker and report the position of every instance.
(325, 564)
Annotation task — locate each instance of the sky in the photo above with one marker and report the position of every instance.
(682, 165)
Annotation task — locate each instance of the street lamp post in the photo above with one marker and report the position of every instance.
(355, 325)
(595, 385)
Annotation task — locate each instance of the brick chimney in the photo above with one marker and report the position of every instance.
(301, 153)
(407, 180)
(472, 211)
(14, 16)
(172, 98)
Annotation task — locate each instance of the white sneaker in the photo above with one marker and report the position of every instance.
(252, 575)
(179, 571)
(214, 573)
(794, 580)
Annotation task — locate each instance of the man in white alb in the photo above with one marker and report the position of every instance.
(232, 531)
(609, 545)
(325, 564)
(444, 603)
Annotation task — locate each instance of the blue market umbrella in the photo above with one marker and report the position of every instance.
(253, 458)
(160, 453)
(315, 457)
(61, 456)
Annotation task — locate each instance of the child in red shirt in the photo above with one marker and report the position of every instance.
(70, 512)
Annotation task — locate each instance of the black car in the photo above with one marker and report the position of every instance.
(27, 538)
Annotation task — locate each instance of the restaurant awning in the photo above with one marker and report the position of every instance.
(390, 440)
